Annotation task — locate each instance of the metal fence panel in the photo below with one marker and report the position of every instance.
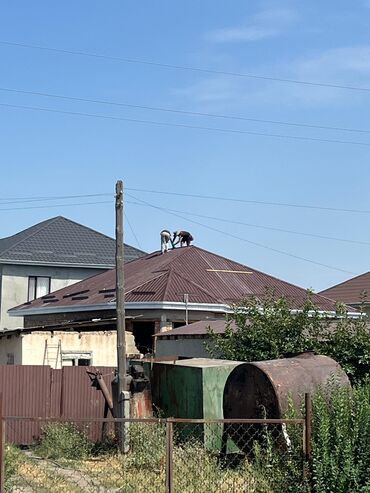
(164, 456)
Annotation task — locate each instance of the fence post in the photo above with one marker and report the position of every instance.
(2, 447)
(308, 427)
(169, 456)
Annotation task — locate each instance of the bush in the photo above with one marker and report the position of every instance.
(13, 460)
(341, 441)
(147, 446)
(64, 441)
(267, 328)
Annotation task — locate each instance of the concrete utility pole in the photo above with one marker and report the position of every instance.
(123, 397)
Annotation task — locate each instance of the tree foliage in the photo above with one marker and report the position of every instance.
(268, 328)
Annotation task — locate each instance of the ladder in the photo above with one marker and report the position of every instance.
(53, 354)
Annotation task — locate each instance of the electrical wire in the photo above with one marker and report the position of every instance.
(183, 125)
(198, 196)
(169, 211)
(183, 112)
(14, 200)
(260, 245)
(53, 205)
(246, 201)
(132, 230)
(184, 67)
(259, 226)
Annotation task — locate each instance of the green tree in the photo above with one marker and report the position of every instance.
(268, 328)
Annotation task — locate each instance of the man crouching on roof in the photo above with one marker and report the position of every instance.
(183, 237)
(165, 240)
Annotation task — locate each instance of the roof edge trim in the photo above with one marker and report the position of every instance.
(56, 264)
(155, 305)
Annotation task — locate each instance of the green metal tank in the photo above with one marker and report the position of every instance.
(192, 388)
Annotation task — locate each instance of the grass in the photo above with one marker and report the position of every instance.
(68, 462)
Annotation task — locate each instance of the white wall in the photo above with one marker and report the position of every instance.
(14, 286)
(102, 346)
(29, 348)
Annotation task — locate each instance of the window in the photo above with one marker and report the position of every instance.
(73, 358)
(10, 358)
(38, 286)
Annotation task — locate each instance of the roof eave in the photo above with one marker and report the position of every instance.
(153, 305)
(56, 264)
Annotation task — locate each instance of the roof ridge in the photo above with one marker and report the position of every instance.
(47, 221)
(196, 284)
(345, 282)
(87, 227)
(146, 282)
(169, 275)
(97, 232)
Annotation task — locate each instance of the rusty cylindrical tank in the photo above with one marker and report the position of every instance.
(263, 389)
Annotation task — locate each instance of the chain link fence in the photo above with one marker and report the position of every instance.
(164, 455)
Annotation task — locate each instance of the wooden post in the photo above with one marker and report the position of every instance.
(123, 403)
(2, 447)
(308, 427)
(169, 456)
(120, 290)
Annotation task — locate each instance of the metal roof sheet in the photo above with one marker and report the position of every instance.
(204, 276)
(355, 290)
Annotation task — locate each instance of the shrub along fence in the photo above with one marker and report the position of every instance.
(164, 456)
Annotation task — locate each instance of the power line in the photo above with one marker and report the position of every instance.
(53, 205)
(132, 230)
(183, 112)
(269, 228)
(183, 125)
(14, 200)
(242, 239)
(230, 221)
(185, 67)
(246, 201)
(199, 196)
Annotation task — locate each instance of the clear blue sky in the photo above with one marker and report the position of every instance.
(51, 154)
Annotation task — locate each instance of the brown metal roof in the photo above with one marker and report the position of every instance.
(204, 276)
(351, 291)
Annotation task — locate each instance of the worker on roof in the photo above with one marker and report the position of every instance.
(182, 237)
(165, 240)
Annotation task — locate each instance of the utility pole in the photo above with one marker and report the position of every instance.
(123, 396)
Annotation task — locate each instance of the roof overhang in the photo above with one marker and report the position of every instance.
(56, 264)
(153, 305)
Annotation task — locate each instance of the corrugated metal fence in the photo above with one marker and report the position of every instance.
(40, 391)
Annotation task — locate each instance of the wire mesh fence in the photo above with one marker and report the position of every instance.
(178, 456)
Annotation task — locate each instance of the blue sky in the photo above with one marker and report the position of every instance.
(54, 154)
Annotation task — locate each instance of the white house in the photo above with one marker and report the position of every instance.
(49, 256)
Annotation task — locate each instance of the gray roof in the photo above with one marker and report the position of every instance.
(199, 328)
(60, 241)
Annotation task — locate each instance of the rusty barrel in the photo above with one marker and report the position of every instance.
(264, 389)
(268, 386)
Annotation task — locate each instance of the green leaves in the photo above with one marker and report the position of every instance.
(341, 440)
(267, 328)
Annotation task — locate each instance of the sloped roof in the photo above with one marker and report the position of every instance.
(351, 291)
(60, 241)
(206, 277)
